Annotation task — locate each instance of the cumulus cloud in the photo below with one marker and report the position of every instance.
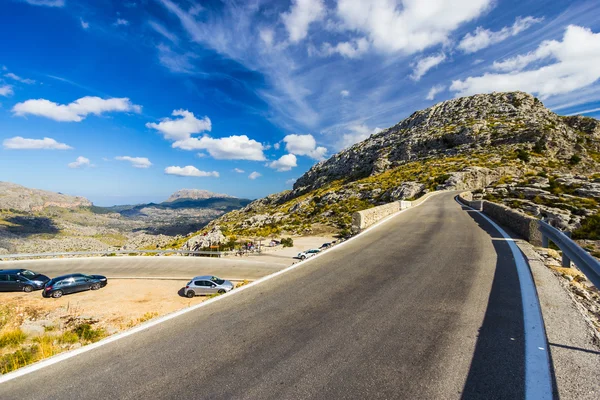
(84, 24)
(228, 148)
(19, 79)
(301, 15)
(254, 175)
(567, 68)
(80, 162)
(121, 21)
(434, 91)
(181, 128)
(352, 49)
(415, 26)
(20, 143)
(344, 93)
(284, 163)
(239, 171)
(136, 162)
(425, 64)
(304, 145)
(75, 111)
(357, 133)
(6, 90)
(290, 181)
(46, 3)
(189, 171)
(483, 38)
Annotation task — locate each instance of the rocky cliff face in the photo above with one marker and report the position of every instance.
(487, 121)
(16, 197)
(196, 194)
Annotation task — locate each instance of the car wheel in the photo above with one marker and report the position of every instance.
(221, 291)
(28, 289)
(303, 258)
(190, 294)
(95, 286)
(57, 294)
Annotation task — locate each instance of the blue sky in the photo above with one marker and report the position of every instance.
(128, 101)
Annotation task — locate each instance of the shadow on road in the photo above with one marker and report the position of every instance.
(180, 292)
(498, 366)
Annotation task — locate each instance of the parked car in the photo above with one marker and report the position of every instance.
(17, 280)
(206, 284)
(326, 245)
(303, 255)
(73, 283)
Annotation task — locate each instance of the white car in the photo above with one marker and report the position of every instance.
(303, 255)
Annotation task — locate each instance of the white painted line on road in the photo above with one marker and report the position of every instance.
(538, 383)
(65, 356)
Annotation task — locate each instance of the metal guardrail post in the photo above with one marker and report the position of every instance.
(566, 261)
(545, 241)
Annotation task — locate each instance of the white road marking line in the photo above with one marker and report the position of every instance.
(538, 383)
(69, 354)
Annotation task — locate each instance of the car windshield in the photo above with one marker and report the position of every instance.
(216, 280)
(27, 273)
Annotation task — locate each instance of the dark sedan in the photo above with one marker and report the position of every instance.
(73, 283)
(17, 280)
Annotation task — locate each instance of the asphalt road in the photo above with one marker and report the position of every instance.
(424, 306)
(143, 266)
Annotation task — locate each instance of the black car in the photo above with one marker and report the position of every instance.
(21, 280)
(72, 283)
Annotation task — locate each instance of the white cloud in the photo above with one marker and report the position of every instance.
(163, 31)
(19, 79)
(344, 93)
(20, 143)
(80, 162)
(181, 128)
(284, 163)
(6, 90)
(267, 36)
(121, 21)
(47, 3)
(290, 181)
(228, 148)
(239, 171)
(276, 146)
(254, 175)
(434, 91)
(304, 145)
(136, 162)
(189, 171)
(84, 24)
(75, 111)
(300, 16)
(352, 49)
(569, 68)
(176, 62)
(357, 133)
(425, 64)
(412, 27)
(483, 38)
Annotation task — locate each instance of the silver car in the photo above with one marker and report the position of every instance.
(205, 285)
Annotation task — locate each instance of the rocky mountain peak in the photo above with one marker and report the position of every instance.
(496, 123)
(17, 197)
(196, 194)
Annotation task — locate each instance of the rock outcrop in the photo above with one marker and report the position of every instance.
(203, 241)
(196, 194)
(20, 198)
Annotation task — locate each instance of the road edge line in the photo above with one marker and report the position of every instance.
(72, 353)
(538, 378)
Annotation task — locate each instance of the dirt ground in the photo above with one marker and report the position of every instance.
(119, 305)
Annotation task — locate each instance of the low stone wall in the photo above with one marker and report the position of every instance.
(520, 223)
(365, 218)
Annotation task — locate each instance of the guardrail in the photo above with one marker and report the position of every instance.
(108, 252)
(571, 252)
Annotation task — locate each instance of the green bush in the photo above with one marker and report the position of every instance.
(590, 228)
(523, 155)
(68, 337)
(86, 332)
(287, 242)
(12, 338)
(575, 159)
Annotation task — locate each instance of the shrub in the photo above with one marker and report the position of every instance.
(287, 242)
(523, 155)
(68, 338)
(86, 332)
(575, 159)
(539, 147)
(590, 228)
(12, 338)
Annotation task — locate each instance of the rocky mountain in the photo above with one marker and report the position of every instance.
(20, 198)
(36, 221)
(196, 194)
(477, 142)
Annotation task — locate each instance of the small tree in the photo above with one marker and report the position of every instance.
(287, 242)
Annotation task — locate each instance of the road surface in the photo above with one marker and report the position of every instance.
(425, 306)
(168, 267)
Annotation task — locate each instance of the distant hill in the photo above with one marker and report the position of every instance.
(196, 194)
(20, 198)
